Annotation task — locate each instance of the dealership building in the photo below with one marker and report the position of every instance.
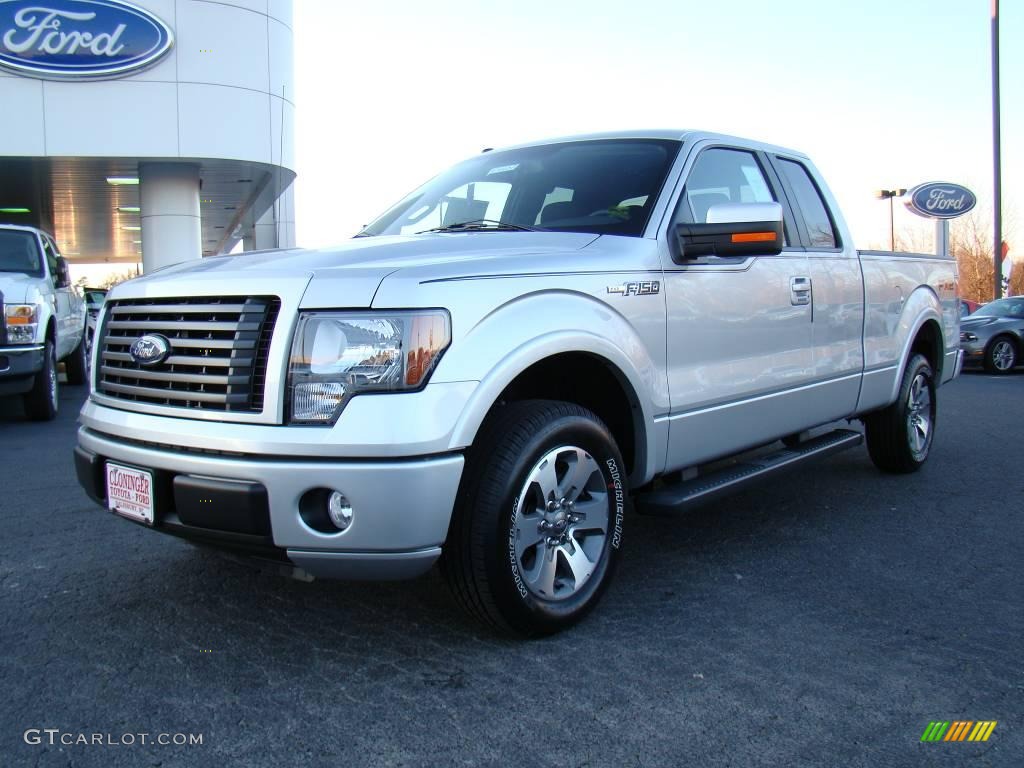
(154, 131)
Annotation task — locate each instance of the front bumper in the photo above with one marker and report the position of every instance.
(18, 367)
(251, 504)
(973, 352)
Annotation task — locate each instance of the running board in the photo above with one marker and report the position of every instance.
(682, 496)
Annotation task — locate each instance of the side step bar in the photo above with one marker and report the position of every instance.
(682, 496)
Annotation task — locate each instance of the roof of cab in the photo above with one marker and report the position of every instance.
(662, 133)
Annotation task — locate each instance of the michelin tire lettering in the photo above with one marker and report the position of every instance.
(619, 502)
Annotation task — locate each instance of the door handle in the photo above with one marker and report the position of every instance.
(800, 291)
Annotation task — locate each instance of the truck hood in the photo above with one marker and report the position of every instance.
(347, 275)
(15, 287)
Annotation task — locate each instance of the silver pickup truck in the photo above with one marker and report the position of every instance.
(505, 364)
(42, 320)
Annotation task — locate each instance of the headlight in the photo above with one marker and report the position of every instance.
(21, 320)
(338, 355)
(967, 336)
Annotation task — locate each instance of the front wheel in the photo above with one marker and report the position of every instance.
(1001, 356)
(41, 400)
(537, 527)
(900, 437)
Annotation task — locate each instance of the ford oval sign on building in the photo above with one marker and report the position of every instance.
(940, 200)
(79, 39)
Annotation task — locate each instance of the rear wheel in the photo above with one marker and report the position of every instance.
(77, 363)
(900, 437)
(1001, 355)
(41, 400)
(537, 526)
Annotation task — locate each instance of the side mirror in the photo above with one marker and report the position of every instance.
(733, 229)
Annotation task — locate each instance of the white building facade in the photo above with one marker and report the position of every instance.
(160, 130)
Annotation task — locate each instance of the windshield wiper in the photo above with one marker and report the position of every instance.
(479, 225)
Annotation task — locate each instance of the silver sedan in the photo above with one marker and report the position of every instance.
(994, 335)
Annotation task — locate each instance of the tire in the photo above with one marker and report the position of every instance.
(1001, 355)
(520, 565)
(77, 363)
(41, 401)
(900, 437)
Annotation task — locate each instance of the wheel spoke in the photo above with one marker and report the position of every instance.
(578, 562)
(915, 391)
(922, 429)
(575, 479)
(528, 535)
(542, 577)
(593, 512)
(546, 479)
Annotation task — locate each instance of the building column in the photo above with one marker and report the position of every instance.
(265, 231)
(169, 213)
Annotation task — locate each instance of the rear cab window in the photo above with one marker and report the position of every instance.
(821, 231)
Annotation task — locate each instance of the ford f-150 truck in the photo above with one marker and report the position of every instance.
(43, 320)
(496, 371)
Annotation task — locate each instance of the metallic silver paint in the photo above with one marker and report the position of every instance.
(401, 504)
(719, 361)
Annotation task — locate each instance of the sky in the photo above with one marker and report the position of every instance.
(880, 94)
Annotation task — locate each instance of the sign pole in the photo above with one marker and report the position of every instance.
(997, 276)
(942, 238)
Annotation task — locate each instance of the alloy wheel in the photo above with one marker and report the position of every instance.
(919, 415)
(561, 523)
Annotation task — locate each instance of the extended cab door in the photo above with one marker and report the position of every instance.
(739, 328)
(837, 291)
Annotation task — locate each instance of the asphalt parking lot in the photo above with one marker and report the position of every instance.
(823, 618)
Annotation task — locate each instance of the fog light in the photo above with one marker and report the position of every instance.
(339, 510)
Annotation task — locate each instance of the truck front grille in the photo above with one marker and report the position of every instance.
(218, 351)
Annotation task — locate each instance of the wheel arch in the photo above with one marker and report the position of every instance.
(921, 328)
(536, 370)
(1010, 336)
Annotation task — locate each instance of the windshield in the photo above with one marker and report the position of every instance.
(94, 297)
(1002, 308)
(19, 252)
(599, 186)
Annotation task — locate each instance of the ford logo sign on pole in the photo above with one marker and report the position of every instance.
(941, 201)
(79, 39)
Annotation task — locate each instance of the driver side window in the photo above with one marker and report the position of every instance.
(722, 176)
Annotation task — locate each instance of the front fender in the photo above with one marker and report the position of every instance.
(519, 333)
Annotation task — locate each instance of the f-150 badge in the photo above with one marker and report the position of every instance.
(648, 288)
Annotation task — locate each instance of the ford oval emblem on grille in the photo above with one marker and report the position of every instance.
(150, 349)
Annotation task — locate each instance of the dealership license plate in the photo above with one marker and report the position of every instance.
(130, 492)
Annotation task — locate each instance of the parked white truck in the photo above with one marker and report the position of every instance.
(498, 368)
(43, 320)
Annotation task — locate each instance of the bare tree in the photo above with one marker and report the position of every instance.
(118, 277)
(970, 243)
(1016, 287)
